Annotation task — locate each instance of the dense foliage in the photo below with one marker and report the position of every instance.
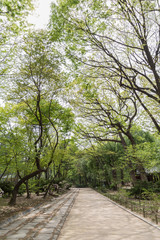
(81, 98)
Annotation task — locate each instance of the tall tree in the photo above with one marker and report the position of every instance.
(119, 37)
(110, 114)
(36, 89)
(12, 22)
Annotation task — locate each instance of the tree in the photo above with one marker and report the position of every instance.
(9, 143)
(119, 39)
(13, 22)
(102, 47)
(36, 90)
(98, 165)
(109, 115)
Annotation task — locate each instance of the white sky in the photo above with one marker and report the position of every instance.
(40, 16)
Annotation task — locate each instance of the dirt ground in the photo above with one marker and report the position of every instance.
(22, 204)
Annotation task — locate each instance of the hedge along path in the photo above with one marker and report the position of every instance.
(95, 217)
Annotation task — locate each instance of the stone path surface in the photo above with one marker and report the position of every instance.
(79, 215)
(44, 223)
(94, 217)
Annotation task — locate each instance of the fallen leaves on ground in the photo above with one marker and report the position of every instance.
(23, 204)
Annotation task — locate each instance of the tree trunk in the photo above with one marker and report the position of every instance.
(3, 172)
(27, 189)
(114, 177)
(140, 166)
(122, 177)
(107, 180)
(38, 185)
(133, 177)
(85, 180)
(48, 188)
(143, 174)
(18, 184)
(132, 172)
(80, 180)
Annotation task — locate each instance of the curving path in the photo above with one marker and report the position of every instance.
(95, 217)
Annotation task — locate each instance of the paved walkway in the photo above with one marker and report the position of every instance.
(44, 223)
(94, 217)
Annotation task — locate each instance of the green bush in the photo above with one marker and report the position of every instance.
(7, 187)
(102, 189)
(22, 189)
(43, 184)
(142, 190)
(38, 185)
(113, 186)
(156, 187)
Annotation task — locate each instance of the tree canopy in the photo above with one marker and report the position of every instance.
(81, 98)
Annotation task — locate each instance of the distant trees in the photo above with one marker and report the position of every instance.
(107, 164)
(102, 59)
(110, 116)
(114, 47)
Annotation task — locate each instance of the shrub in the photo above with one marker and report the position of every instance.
(65, 185)
(22, 189)
(142, 190)
(113, 186)
(156, 186)
(7, 187)
(37, 185)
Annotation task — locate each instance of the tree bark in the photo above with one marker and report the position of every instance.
(132, 172)
(38, 185)
(114, 177)
(27, 189)
(22, 180)
(48, 188)
(143, 174)
(133, 177)
(122, 177)
(140, 167)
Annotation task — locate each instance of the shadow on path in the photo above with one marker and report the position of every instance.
(94, 217)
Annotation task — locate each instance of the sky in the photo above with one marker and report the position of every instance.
(40, 16)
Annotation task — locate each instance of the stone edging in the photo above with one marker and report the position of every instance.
(18, 215)
(62, 221)
(23, 213)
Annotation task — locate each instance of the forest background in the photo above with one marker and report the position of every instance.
(81, 97)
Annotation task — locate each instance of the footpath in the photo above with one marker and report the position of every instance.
(94, 217)
(43, 223)
(81, 214)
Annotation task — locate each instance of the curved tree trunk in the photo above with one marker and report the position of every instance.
(19, 183)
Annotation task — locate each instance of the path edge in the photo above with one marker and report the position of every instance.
(129, 211)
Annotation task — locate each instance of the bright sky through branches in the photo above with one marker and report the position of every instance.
(40, 15)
